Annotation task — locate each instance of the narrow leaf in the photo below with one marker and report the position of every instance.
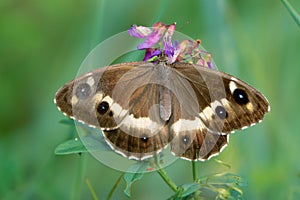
(222, 178)
(130, 178)
(70, 147)
(82, 145)
(91, 189)
(292, 11)
(185, 190)
(189, 188)
(67, 122)
(222, 163)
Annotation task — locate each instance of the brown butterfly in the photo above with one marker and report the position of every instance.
(142, 107)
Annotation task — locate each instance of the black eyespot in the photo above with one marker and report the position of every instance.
(221, 112)
(185, 139)
(240, 96)
(83, 90)
(111, 113)
(103, 107)
(144, 138)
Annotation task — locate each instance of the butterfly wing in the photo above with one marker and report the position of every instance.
(123, 101)
(141, 107)
(225, 104)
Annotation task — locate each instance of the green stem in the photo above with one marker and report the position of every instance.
(194, 167)
(292, 11)
(167, 180)
(75, 194)
(114, 188)
(87, 181)
(163, 175)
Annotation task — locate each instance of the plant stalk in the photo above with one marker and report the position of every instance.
(167, 180)
(114, 187)
(194, 168)
(292, 11)
(77, 185)
(93, 193)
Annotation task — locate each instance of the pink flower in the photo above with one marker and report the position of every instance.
(154, 37)
(158, 41)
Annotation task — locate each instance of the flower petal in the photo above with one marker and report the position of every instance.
(150, 53)
(169, 47)
(139, 31)
(153, 38)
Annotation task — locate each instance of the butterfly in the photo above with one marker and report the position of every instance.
(144, 107)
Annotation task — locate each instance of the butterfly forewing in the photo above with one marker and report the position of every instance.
(124, 102)
(224, 99)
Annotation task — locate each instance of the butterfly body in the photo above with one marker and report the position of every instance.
(142, 107)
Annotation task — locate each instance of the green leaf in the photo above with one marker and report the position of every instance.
(222, 163)
(95, 143)
(130, 178)
(223, 178)
(236, 193)
(185, 190)
(221, 186)
(189, 188)
(80, 146)
(67, 122)
(70, 147)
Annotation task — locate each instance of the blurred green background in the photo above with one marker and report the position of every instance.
(42, 44)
